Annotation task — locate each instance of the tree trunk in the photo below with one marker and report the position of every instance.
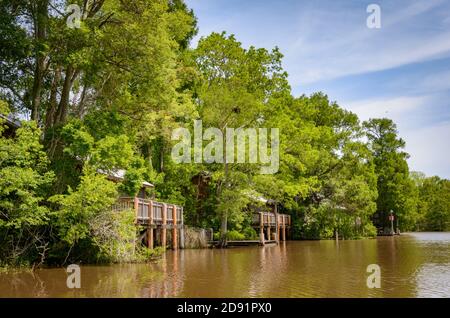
(223, 230)
(51, 109)
(161, 157)
(224, 219)
(40, 24)
(65, 95)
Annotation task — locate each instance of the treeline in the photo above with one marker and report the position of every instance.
(108, 95)
(433, 203)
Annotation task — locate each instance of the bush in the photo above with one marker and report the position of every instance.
(369, 230)
(250, 233)
(93, 196)
(88, 229)
(144, 254)
(234, 235)
(24, 180)
(114, 234)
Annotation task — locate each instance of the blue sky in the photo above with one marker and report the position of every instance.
(400, 71)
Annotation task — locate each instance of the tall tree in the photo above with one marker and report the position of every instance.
(397, 191)
(125, 59)
(235, 90)
(434, 204)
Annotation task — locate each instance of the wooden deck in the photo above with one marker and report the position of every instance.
(159, 220)
(244, 243)
(164, 226)
(273, 227)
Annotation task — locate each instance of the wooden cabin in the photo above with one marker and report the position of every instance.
(161, 223)
(11, 126)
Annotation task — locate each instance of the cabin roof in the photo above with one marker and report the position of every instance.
(119, 175)
(10, 121)
(259, 198)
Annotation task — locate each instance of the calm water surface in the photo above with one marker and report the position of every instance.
(412, 265)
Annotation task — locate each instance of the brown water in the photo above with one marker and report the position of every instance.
(412, 265)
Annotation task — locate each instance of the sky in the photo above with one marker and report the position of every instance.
(400, 71)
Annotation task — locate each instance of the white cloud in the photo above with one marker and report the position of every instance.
(394, 108)
(429, 149)
(428, 146)
(329, 46)
(328, 40)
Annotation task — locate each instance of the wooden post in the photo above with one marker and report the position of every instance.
(163, 227)
(277, 223)
(150, 237)
(261, 228)
(268, 231)
(175, 228)
(150, 226)
(150, 212)
(136, 209)
(182, 229)
(283, 233)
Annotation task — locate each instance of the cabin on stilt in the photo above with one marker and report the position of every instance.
(161, 223)
(10, 126)
(272, 226)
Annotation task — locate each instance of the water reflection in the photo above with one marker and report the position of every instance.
(415, 265)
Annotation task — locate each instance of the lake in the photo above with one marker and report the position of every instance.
(412, 265)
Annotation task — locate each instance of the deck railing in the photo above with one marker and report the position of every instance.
(269, 219)
(150, 211)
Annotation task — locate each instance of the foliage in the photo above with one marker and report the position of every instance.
(145, 254)
(93, 196)
(24, 178)
(397, 191)
(84, 217)
(434, 203)
(234, 91)
(106, 97)
(234, 235)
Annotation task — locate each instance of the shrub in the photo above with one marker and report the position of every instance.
(24, 180)
(144, 254)
(369, 230)
(234, 235)
(250, 233)
(87, 226)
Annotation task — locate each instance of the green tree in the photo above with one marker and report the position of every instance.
(434, 204)
(87, 228)
(234, 92)
(397, 191)
(328, 175)
(24, 181)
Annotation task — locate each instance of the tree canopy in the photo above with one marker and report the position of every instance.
(108, 95)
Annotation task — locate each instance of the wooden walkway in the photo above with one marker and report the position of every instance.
(244, 243)
(163, 222)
